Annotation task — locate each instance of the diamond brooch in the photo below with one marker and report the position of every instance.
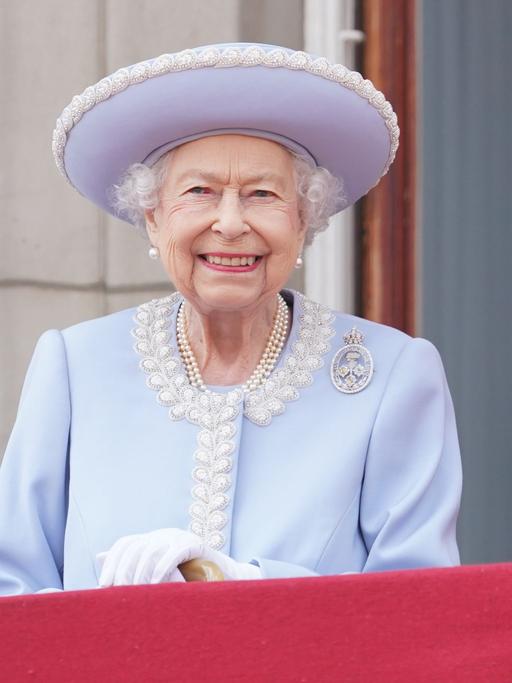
(352, 365)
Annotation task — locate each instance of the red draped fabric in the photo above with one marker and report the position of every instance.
(435, 625)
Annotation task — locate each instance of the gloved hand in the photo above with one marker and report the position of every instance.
(154, 557)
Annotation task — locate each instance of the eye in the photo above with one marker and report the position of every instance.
(263, 193)
(199, 189)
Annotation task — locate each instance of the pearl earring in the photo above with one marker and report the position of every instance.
(299, 262)
(153, 252)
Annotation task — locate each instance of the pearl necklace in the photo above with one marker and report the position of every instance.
(267, 362)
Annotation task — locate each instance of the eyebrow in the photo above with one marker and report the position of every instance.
(214, 178)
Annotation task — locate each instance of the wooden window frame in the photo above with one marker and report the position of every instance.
(388, 213)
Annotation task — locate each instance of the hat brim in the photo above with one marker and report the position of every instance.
(347, 127)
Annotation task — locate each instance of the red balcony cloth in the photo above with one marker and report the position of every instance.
(435, 625)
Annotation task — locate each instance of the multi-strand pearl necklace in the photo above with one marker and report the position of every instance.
(267, 362)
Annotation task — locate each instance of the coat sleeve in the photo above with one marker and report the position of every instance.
(413, 478)
(412, 483)
(34, 476)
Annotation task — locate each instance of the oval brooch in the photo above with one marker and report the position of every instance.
(352, 366)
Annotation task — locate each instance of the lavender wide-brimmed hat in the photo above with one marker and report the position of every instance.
(321, 110)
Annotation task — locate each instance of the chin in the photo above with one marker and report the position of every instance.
(229, 297)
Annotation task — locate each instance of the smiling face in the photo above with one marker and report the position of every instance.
(227, 224)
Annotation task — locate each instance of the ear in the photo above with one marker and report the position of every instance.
(302, 237)
(303, 228)
(151, 225)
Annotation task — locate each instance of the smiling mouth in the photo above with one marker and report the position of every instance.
(237, 261)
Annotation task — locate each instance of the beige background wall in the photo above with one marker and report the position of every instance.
(61, 260)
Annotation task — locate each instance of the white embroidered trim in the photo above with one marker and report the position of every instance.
(252, 55)
(215, 413)
(306, 356)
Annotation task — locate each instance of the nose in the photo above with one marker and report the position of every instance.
(229, 221)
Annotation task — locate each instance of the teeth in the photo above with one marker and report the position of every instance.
(235, 261)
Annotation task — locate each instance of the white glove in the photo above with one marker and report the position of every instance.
(155, 556)
(176, 575)
(148, 558)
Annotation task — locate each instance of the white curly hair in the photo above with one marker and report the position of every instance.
(319, 192)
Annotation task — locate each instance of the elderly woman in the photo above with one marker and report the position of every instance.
(248, 425)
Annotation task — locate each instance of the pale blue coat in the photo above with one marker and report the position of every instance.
(305, 480)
